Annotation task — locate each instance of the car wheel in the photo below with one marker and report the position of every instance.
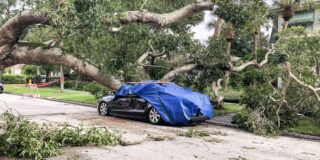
(154, 117)
(103, 109)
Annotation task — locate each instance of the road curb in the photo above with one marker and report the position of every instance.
(301, 136)
(223, 124)
(55, 100)
(285, 133)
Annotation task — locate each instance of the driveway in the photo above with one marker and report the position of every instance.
(223, 143)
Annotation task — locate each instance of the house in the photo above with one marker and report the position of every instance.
(16, 70)
(306, 17)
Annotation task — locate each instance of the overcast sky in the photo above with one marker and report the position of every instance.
(203, 32)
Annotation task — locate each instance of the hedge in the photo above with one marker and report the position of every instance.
(14, 79)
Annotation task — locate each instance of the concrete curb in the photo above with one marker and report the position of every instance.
(55, 100)
(223, 124)
(301, 136)
(286, 133)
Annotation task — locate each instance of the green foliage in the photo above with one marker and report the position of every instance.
(306, 126)
(31, 70)
(255, 122)
(227, 109)
(26, 139)
(14, 79)
(96, 90)
(239, 14)
(84, 28)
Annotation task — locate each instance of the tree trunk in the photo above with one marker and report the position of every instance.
(217, 27)
(39, 56)
(1, 72)
(47, 75)
(256, 37)
(61, 79)
(38, 70)
(285, 24)
(227, 79)
(77, 80)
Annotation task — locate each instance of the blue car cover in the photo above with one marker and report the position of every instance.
(175, 104)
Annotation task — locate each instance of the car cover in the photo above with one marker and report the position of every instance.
(175, 104)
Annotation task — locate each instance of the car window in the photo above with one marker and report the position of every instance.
(122, 99)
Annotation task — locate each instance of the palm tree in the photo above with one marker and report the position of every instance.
(290, 6)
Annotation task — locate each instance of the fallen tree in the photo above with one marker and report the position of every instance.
(13, 52)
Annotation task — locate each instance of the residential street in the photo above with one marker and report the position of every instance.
(223, 143)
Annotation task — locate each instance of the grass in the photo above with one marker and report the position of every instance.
(307, 126)
(231, 94)
(228, 108)
(52, 93)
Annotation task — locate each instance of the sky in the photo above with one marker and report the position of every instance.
(203, 32)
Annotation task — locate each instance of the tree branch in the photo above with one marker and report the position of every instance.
(313, 89)
(165, 18)
(39, 56)
(253, 62)
(178, 71)
(11, 31)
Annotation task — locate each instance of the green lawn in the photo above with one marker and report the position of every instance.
(228, 108)
(231, 94)
(53, 93)
(307, 126)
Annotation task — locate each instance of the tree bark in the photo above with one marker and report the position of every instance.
(47, 75)
(217, 27)
(178, 71)
(39, 56)
(10, 31)
(165, 18)
(256, 37)
(38, 70)
(61, 79)
(285, 24)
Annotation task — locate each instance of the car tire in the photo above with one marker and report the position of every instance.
(154, 117)
(103, 109)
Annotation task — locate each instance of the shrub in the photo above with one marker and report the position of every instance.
(14, 79)
(96, 89)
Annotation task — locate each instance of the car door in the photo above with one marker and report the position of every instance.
(138, 107)
(120, 106)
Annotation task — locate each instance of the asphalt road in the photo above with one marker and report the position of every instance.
(223, 143)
